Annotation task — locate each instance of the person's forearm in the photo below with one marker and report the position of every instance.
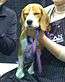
(56, 49)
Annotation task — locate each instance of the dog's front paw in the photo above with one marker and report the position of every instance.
(19, 73)
(31, 69)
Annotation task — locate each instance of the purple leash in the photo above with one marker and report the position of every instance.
(37, 50)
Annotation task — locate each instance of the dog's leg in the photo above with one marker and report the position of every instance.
(19, 72)
(31, 69)
(31, 43)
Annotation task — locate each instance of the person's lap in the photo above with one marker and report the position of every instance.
(10, 77)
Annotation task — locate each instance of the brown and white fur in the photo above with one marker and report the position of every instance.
(33, 15)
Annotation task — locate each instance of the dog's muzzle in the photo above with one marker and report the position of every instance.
(29, 23)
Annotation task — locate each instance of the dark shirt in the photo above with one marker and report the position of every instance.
(53, 68)
(8, 31)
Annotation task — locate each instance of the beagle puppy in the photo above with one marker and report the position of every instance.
(32, 16)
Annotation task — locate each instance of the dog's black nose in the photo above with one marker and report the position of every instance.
(29, 22)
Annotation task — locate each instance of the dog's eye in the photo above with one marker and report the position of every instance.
(36, 13)
(25, 14)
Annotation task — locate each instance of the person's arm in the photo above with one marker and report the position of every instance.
(56, 49)
(8, 41)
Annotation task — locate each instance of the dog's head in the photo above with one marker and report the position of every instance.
(34, 15)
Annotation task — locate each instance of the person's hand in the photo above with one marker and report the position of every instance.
(41, 41)
(41, 35)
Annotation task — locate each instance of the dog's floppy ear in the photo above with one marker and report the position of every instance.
(45, 20)
(23, 29)
(22, 17)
